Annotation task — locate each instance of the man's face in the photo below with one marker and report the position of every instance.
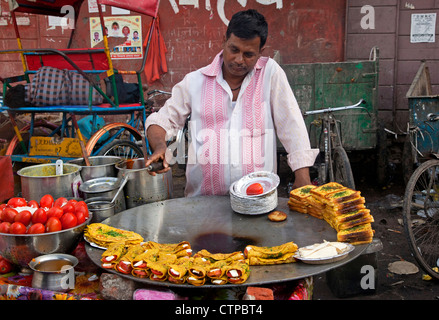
(240, 55)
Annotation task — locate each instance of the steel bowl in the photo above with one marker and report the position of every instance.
(20, 249)
(54, 272)
(100, 166)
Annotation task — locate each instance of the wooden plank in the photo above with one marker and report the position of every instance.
(53, 146)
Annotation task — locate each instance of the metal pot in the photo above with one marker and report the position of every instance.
(101, 207)
(54, 272)
(142, 187)
(105, 187)
(38, 180)
(100, 166)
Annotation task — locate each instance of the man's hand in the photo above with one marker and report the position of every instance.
(156, 138)
(302, 178)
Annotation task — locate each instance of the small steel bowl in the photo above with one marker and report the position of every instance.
(54, 272)
(20, 249)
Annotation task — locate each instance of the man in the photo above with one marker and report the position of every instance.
(236, 104)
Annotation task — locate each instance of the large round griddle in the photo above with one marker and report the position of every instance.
(209, 223)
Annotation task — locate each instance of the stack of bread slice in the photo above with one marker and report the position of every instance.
(343, 208)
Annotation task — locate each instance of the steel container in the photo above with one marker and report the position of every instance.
(100, 166)
(142, 187)
(41, 179)
(101, 207)
(20, 249)
(105, 187)
(54, 272)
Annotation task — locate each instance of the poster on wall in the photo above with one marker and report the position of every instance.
(423, 27)
(120, 26)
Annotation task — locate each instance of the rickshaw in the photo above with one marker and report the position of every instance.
(93, 64)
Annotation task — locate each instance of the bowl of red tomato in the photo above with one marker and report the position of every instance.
(30, 228)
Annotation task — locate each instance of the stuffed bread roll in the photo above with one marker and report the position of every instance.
(161, 266)
(217, 269)
(177, 280)
(195, 281)
(219, 281)
(237, 269)
(238, 255)
(199, 267)
(258, 261)
(141, 273)
(179, 268)
(238, 272)
(270, 252)
(110, 256)
(156, 277)
(124, 263)
(141, 260)
(169, 247)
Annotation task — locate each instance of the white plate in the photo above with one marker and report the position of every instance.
(330, 259)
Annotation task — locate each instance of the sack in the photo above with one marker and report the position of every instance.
(6, 178)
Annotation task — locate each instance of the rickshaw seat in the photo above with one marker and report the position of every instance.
(86, 59)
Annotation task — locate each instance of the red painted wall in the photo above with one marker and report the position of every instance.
(302, 31)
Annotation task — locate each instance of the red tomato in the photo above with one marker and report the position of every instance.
(39, 216)
(24, 217)
(72, 202)
(4, 227)
(81, 206)
(17, 202)
(80, 215)
(53, 224)
(17, 228)
(33, 204)
(5, 266)
(55, 212)
(68, 220)
(60, 202)
(8, 215)
(46, 201)
(68, 207)
(254, 189)
(36, 228)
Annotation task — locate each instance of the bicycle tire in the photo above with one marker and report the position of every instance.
(422, 232)
(342, 168)
(122, 148)
(91, 146)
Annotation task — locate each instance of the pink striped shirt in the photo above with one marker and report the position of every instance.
(230, 139)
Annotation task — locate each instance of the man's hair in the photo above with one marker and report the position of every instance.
(248, 25)
(15, 97)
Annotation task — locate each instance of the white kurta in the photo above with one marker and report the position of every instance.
(228, 141)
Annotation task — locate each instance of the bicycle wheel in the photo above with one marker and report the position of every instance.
(122, 148)
(421, 216)
(342, 168)
(117, 130)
